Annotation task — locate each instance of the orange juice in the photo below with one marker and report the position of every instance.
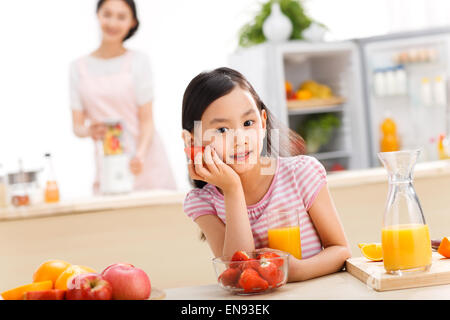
(286, 239)
(51, 192)
(406, 246)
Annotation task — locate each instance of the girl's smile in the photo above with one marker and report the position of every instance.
(240, 157)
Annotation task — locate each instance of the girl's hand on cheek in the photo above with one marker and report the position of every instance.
(215, 171)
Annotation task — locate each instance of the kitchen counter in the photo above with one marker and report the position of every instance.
(340, 286)
(93, 204)
(150, 230)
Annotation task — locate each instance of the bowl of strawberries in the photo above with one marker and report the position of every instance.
(256, 272)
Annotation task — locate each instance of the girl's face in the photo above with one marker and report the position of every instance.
(116, 19)
(235, 127)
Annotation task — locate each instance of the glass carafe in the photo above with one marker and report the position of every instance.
(405, 237)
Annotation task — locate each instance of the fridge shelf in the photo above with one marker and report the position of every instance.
(314, 104)
(331, 155)
(310, 110)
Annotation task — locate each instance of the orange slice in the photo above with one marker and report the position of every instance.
(17, 293)
(66, 275)
(362, 244)
(444, 247)
(372, 251)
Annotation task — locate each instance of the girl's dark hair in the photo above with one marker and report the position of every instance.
(210, 86)
(132, 6)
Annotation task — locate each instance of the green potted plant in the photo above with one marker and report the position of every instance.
(252, 32)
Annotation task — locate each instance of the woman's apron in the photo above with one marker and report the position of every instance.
(113, 97)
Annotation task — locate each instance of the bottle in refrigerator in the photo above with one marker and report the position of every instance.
(389, 140)
(391, 87)
(51, 193)
(440, 92)
(379, 83)
(401, 80)
(425, 92)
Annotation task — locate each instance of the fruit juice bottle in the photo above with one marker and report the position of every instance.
(51, 193)
(286, 239)
(389, 140)
(406, 247)
(405, 236)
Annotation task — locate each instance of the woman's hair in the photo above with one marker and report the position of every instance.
(132, 6)
(207, 87)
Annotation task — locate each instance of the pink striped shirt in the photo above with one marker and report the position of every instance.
(295, 185)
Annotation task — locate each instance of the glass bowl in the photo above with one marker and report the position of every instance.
(268, 270)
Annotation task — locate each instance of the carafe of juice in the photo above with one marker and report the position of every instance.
(405, 238)
(51, 193)
(283, 232)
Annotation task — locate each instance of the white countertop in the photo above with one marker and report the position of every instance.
(339, 286)
(92, 204)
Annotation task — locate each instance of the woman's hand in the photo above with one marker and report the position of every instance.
(97, 131)
(213, 170)
(136, 165)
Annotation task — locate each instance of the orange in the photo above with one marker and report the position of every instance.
(50, 270)
(444, 247)
(66, 275)
(372, 251)
(17, 293)
(303, 94)
(288, 86)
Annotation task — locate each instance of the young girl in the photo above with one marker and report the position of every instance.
(235, 188)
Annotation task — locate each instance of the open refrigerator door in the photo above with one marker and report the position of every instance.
(405, 77)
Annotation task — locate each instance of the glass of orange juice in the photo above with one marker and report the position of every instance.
(283, 232)
(405, 238)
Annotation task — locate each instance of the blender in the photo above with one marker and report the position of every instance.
(115, 175)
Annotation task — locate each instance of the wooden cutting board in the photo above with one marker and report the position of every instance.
(373, 274)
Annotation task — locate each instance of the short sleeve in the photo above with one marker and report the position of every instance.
(143, 79)
(311, 176)
(198, 202)
(74, 93)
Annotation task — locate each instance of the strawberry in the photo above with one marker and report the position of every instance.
(238, 256)
(280, 278)
(250, 263)
(251, 281)
(191, 152)
(273, 257)
(230, 276)
(269, 271)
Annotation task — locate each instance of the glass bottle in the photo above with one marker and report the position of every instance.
(405, 237)
(51, 193)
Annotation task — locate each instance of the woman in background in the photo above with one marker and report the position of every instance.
(114, 82)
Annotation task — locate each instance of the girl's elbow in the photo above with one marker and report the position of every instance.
(345, 253)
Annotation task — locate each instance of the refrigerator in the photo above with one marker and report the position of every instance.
(405, 78)
(401, 76)
(334, 64)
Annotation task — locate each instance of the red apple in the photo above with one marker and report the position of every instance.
(53, 294)
(128, 282)
(89, 286)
